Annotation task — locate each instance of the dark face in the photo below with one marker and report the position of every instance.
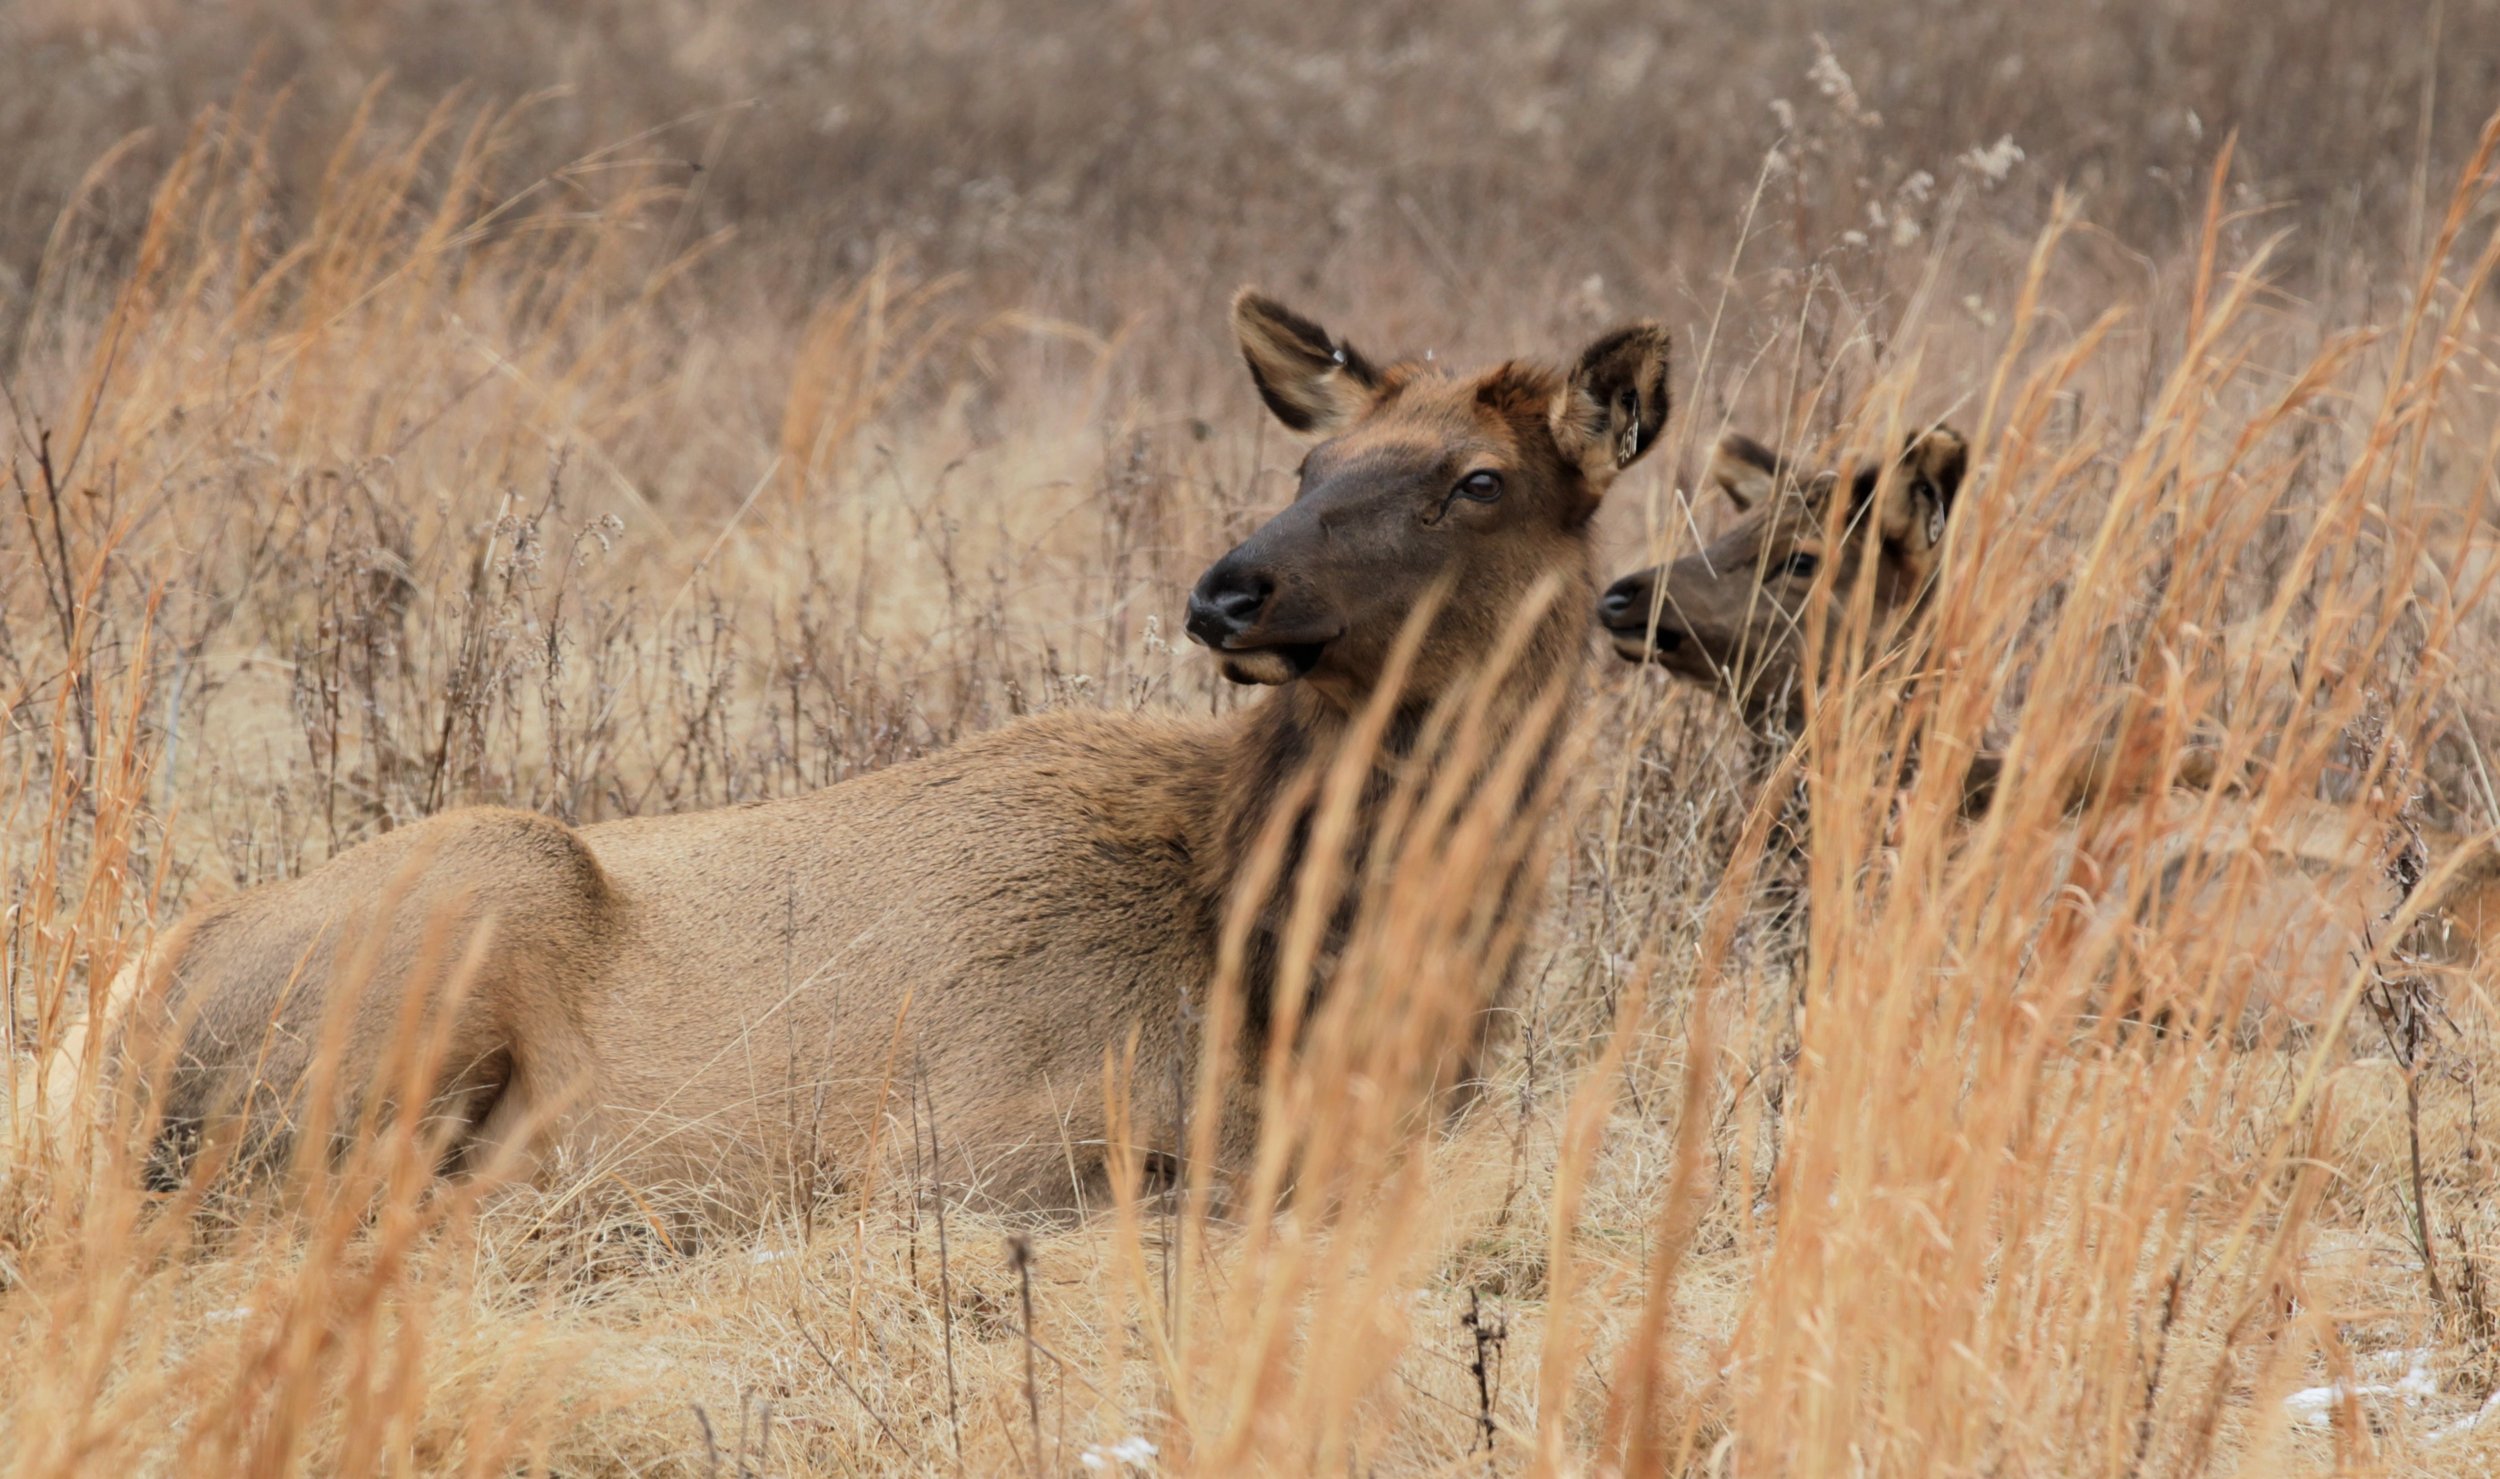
(1475, 488)
(1734, 614)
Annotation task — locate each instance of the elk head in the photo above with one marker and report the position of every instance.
(1733, 614)
(1420, 480)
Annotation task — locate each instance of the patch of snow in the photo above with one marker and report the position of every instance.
(1131, 1452)
(2469, 1422)
(2316, 1405)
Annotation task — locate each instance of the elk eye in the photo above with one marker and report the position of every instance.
(1801, 565)
(1480, 487)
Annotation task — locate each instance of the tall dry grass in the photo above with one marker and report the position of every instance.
(382, 453)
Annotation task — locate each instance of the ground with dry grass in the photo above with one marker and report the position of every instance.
(616, 409)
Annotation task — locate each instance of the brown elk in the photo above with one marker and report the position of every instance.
(1735, 616)
(681, 999)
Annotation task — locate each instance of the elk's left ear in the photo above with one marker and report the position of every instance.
(1614, 405)
(1919, 489)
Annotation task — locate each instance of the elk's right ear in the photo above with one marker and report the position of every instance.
(1315, 384)
(1745, 470)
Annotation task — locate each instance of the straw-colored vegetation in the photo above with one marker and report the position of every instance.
(613, 408)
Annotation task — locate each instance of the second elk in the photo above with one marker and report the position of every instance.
(1746, 614)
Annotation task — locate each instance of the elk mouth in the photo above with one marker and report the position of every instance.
(1641, 644)
(1270, 663)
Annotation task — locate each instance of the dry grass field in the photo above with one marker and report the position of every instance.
(615, 408)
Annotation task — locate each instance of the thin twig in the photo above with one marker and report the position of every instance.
(857, 1395)
(1020, 1258)
(711, 1445)
(1488, 1335)
(946, 1287)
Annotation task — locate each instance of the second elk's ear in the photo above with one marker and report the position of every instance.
(1314, 383)
(1614, 405)
(1745, 470)
(1919, 489)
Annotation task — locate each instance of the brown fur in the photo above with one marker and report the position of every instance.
(716, 1000)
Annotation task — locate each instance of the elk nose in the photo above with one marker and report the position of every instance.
(1624, 610)
(1227, 603)
(1625, 602)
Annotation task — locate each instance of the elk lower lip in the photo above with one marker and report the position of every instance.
(1303, 655)
(1271, 663)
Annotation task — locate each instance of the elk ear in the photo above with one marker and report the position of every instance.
(1745, 470)
(1615, 403)
(1313, 383)
(1919, 489)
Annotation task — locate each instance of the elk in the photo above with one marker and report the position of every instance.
(1733, 614)
(1736, 616)
(681, 1000)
